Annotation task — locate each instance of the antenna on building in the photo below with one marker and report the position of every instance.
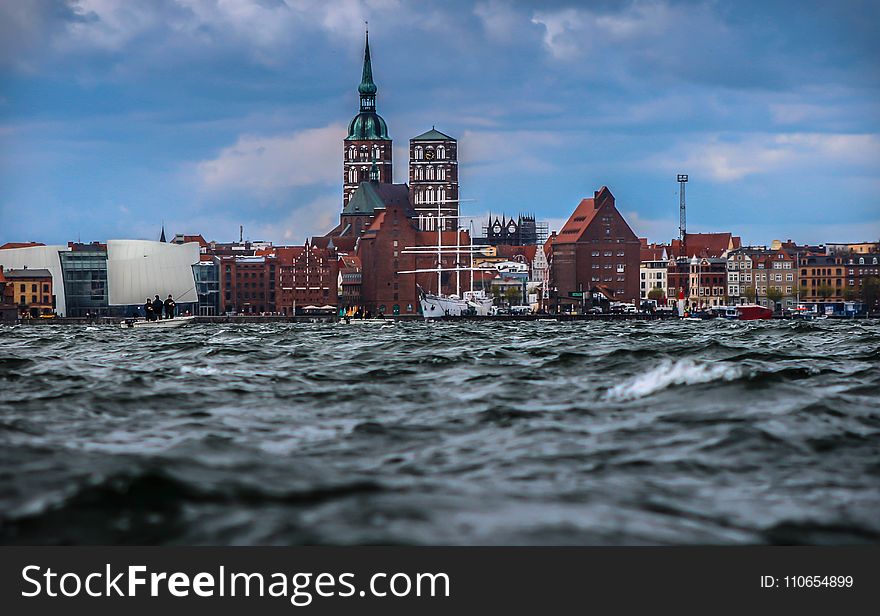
(682, 213)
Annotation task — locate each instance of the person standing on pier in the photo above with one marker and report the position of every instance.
(169, 307)
(157, 307)
(149, 315)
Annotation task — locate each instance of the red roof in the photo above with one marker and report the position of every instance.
(344, 243)
(195, 238)
(707, 244)
(349, 262)
(20, 245)
(548, 245)
(286, 255)
(652, 252)
(578, 222)
(508, 252)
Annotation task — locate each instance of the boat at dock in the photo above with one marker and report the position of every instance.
(141, 323)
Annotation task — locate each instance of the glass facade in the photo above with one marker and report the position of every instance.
(85, 281)
(207, 276)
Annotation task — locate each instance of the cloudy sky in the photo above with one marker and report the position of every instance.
(206, 114)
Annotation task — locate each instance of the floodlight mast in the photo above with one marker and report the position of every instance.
(682, 228)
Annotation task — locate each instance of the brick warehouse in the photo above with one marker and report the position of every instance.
(306, 275)
(596, 249)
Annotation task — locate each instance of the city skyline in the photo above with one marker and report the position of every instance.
(115, 118)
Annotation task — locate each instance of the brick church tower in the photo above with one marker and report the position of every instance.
(433, 178)
(367, 139)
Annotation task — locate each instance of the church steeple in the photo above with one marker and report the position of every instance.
(367, 89)
(162, 236)
(367, 138)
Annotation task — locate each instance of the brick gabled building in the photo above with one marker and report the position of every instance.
(596, 248)
(306, 275)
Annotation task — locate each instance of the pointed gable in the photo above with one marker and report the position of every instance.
(598, 209)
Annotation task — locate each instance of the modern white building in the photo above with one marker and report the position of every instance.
(111, 279)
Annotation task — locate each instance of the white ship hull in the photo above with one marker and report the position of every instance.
(161, 324)
(473, 304)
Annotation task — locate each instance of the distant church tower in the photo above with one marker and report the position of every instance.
(433, 177)
(367, 139)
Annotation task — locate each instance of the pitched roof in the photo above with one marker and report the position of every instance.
(433, 135)
(344, 243)
(372, 195)
(582, 216)
(20, 245)
(507, 251)
(28, 273)
(707, 244)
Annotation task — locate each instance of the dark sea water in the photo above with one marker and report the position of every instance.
(442, 433)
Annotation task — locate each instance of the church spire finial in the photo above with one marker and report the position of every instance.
(367, 87)
(162, 236)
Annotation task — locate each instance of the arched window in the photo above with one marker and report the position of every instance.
(352, 152)
(430, 174)
(421, 172)
(861, 260)
(377, 152)
(441, 194)
(352, 175)
(875, 261)
(417, 153)
(441, 173)
(429, 195)
(441, 152)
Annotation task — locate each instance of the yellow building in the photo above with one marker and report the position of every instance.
(31, 291)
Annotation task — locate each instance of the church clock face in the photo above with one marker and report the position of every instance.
(429, 155)
(497, 228)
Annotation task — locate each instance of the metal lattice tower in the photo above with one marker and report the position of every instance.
(682, 224)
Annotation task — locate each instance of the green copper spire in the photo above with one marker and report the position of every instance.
(367, 125)
(367, 87)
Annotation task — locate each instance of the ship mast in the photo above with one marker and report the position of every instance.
(440, 223)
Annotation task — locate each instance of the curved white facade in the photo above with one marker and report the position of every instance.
(138, 269)
(39, 257)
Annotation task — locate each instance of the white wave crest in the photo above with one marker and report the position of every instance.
(668, 373)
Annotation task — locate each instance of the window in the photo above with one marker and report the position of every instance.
(595, 253)
(441, 152)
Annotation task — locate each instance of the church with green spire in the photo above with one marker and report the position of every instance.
(367, 145)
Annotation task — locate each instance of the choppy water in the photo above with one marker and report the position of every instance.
(461, 433)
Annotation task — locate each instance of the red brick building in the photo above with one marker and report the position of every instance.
(596, 248)
(386, 287)
(247, 283)
(306, 276)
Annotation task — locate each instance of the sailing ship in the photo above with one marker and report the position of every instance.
(462, 303)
